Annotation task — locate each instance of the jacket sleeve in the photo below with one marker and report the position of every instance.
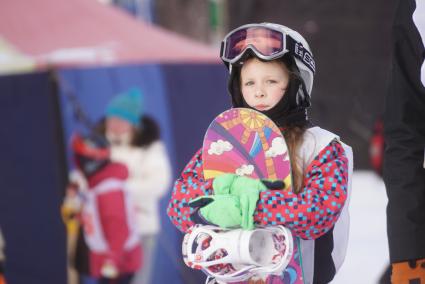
(404, 134)
(112, 214)
(188, 186)
(312, 212)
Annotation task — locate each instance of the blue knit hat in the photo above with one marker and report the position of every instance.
(127, 106)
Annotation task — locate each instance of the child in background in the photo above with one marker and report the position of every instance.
(135, 142)
(110, 251)
(271, 70)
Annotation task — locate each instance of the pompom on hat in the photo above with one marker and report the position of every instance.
(127, 106)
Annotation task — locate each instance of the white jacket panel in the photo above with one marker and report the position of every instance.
(149, 179)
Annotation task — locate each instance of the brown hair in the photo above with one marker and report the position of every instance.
(294, 137)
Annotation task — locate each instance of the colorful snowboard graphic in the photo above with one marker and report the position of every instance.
(246, 142)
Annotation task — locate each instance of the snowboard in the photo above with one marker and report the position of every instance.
(246, 142)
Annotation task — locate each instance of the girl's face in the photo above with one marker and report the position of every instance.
(119, 131)
(263, 84)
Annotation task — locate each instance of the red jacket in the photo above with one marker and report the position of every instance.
(107, 226)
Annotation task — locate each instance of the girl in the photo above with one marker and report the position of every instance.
(135, 142)
(110, 251)
(271, 70)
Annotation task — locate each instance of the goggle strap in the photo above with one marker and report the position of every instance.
(298, 50)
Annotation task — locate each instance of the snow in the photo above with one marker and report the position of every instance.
(367, 254)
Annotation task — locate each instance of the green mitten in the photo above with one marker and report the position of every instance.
(223, 183)
(221, 210)
(247, 189)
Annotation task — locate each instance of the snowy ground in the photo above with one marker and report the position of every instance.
(367, 254)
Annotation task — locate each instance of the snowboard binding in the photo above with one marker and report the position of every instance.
(233, 255)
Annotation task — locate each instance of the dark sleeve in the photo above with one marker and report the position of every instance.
(404, 132)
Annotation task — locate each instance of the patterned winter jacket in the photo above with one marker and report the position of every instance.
(311, 214)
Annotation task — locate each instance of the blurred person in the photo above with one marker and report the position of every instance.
(376, 159)
(271, 70)
(70, 211)
(135, 142)
(2, 259)
(404, 132)
(108, 250)
(377, 146)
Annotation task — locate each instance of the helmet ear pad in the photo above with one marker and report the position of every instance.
(233, 86)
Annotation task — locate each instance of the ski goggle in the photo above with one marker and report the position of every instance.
(266, 42)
